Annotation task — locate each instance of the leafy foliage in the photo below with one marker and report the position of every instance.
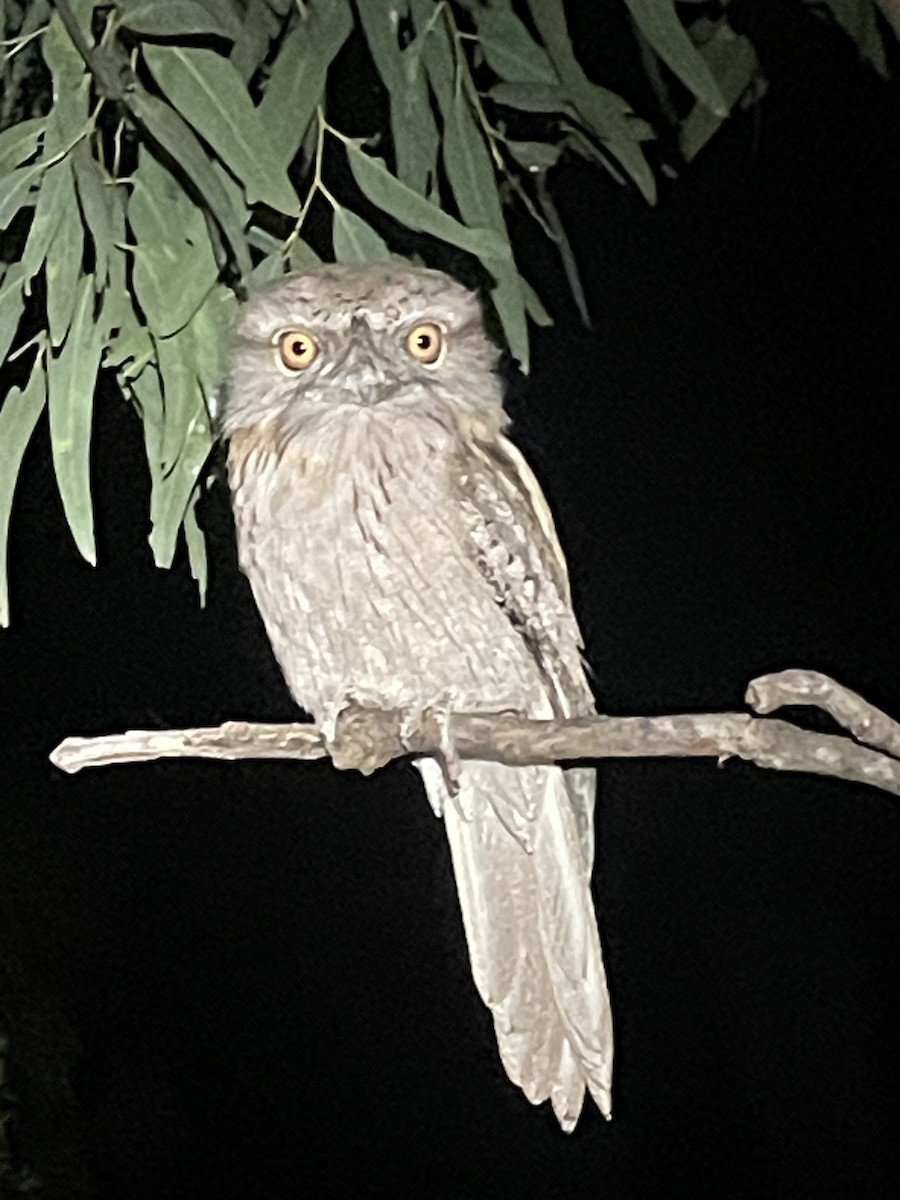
(159, 159)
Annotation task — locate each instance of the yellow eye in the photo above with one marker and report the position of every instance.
(297, 348)
(425, 342)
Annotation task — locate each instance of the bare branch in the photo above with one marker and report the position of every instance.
(863, 720)
(517, 741)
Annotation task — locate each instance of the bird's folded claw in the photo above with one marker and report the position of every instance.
(437, 720)
(355, 739)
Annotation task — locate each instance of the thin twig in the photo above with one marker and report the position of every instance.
(377, 736)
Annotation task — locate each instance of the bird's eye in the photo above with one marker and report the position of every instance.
(297, 349)
(425, 342)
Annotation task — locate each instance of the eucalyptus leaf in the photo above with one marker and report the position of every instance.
(397, 200)
(175, 356)
(175, 136)
(302, 257)
(62, 58)
(56, 192)
(94, 193)
(177, 18)
(606, 113)
(118, 301)
(297, 81)
(413, 127)
(211, 95)
(210, 327)
(530, 97)
(17, 192)
(471, 174)
(174, 262)
(71, 381)
(658, 22)
(266, 271)
(172, 490)
(859, 18)
(259, 26)
(533, 304)
(63, 266)
(732, 59)
(195, 543)
(71, 88)
(510, 50)
(20, 142)
(18, 417)
(12, 304)
(130, 348)
(535, 156)
(355, 241)
(146, 389)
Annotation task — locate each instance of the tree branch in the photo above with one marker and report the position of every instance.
(378, 736)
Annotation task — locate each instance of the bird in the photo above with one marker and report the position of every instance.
(402, 555)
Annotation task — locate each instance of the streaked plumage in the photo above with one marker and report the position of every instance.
(402, 554)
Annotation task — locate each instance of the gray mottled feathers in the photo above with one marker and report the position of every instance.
(401, 553)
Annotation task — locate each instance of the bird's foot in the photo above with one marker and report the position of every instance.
(357, 739)
(435, 723)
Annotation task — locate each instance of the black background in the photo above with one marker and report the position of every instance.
(255, 976)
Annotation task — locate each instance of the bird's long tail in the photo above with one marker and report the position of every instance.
(523, 877)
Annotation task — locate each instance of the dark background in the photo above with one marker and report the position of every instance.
(254, 976)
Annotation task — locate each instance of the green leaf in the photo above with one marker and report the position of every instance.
(174, 262)
(94, 192)
(62, 58)
(471, 175)
(175, 136)
(605, 112)
(71, 381)
(302, 257)
(355, 241)
(18, 418)
(259, 27)
(533, 304)
(17, 192)
(192, 364)
(175, 356)
(12, 304)
(531, 97)
(210, 327)
(71, 88)
(177, 18)
(130, 349)
(211, 95)
(732, 59)
(297, 82)
(470, 171)
(171, 487)
(196, 547)
(859, 18)
(267, 270)
(171, 495)
(658, 22)
(19, 142)
(397, 200)
(63, 264)
(56, 192)
(413, 127)
(118, 301)
(510, 50)
(535, 156)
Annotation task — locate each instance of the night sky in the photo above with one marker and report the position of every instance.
(254, 976)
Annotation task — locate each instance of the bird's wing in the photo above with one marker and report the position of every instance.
(515, 546)
(522, 838)
(514, 543)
